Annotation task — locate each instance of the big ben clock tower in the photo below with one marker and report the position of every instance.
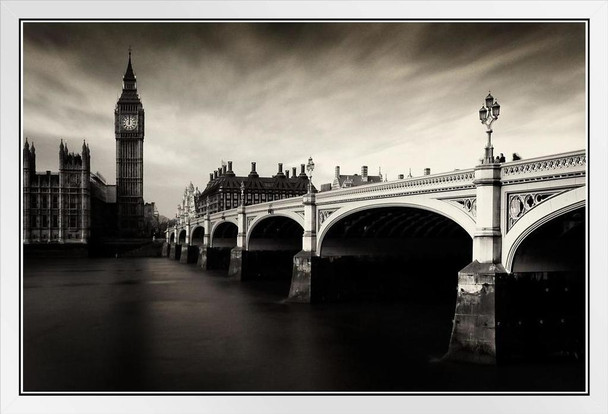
(129, 131)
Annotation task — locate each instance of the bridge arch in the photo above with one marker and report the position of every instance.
(272, 242)
(537, 217)
(172, 237)
(258, 219)
(451, 212)
(395, 251)
(197, 234)
(223, 233)
(182, 236)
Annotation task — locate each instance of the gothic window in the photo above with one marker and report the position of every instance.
(55, 201)
(45, 221)
(45, 201)
(55, 222)
(33, 221)
(72, 221)
(34, 201)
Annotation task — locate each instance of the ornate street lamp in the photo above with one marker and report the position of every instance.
(309, 168)
(487, 115)
(242, 193)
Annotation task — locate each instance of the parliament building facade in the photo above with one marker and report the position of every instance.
(74, 205)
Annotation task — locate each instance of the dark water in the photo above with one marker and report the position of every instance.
(154, 324)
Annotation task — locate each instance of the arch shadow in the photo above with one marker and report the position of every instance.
(197, 236)
(541, 304)
(272, 242)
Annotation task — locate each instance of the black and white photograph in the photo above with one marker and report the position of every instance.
(304, 207)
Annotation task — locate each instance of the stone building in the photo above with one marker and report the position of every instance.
(56, 205)
(104, 211)
(354, 180)
(151, 219)
(73, 205)
(187, 208)
(224, 192)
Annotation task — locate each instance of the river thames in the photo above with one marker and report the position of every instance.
(153, 324)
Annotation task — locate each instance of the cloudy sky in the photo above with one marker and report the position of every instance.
(392, 95)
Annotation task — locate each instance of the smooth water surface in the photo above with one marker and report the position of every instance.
(153, 324)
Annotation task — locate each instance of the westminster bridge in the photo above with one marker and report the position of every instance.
(492, 224)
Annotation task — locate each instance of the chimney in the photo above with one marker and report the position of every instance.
(287, 173)
(253, 173)
(210, 176)
(294, 172)
(280, 167)
(337, 171)
(229, 171)
(302, 173)
(427, 171)
(214, 174)
(223, 169)
(364, 173)
(401, 177)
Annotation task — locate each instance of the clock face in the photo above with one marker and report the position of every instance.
(128, 122)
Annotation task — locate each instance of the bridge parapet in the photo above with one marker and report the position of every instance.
(286, 203)
(459, 179)
(568, 164)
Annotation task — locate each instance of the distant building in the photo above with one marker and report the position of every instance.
(68, 206)
(56, 204)
(223, 192)
(354, 180)
(150, 211)
(187, 208)
(325, 187)
(104, 210)
(151, 219)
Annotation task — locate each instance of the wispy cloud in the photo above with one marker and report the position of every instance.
(399, 96)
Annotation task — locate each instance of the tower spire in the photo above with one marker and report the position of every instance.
(129, 75)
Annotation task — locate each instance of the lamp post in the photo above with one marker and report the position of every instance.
(309, 168)
(242, 193)
(488, 114)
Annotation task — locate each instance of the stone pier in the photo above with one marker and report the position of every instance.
(474, 330)
(176, 251)
(238, 264)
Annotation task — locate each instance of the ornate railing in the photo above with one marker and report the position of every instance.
(574, 162)
(458, 179)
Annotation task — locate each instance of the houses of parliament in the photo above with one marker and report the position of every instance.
(74, 205)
